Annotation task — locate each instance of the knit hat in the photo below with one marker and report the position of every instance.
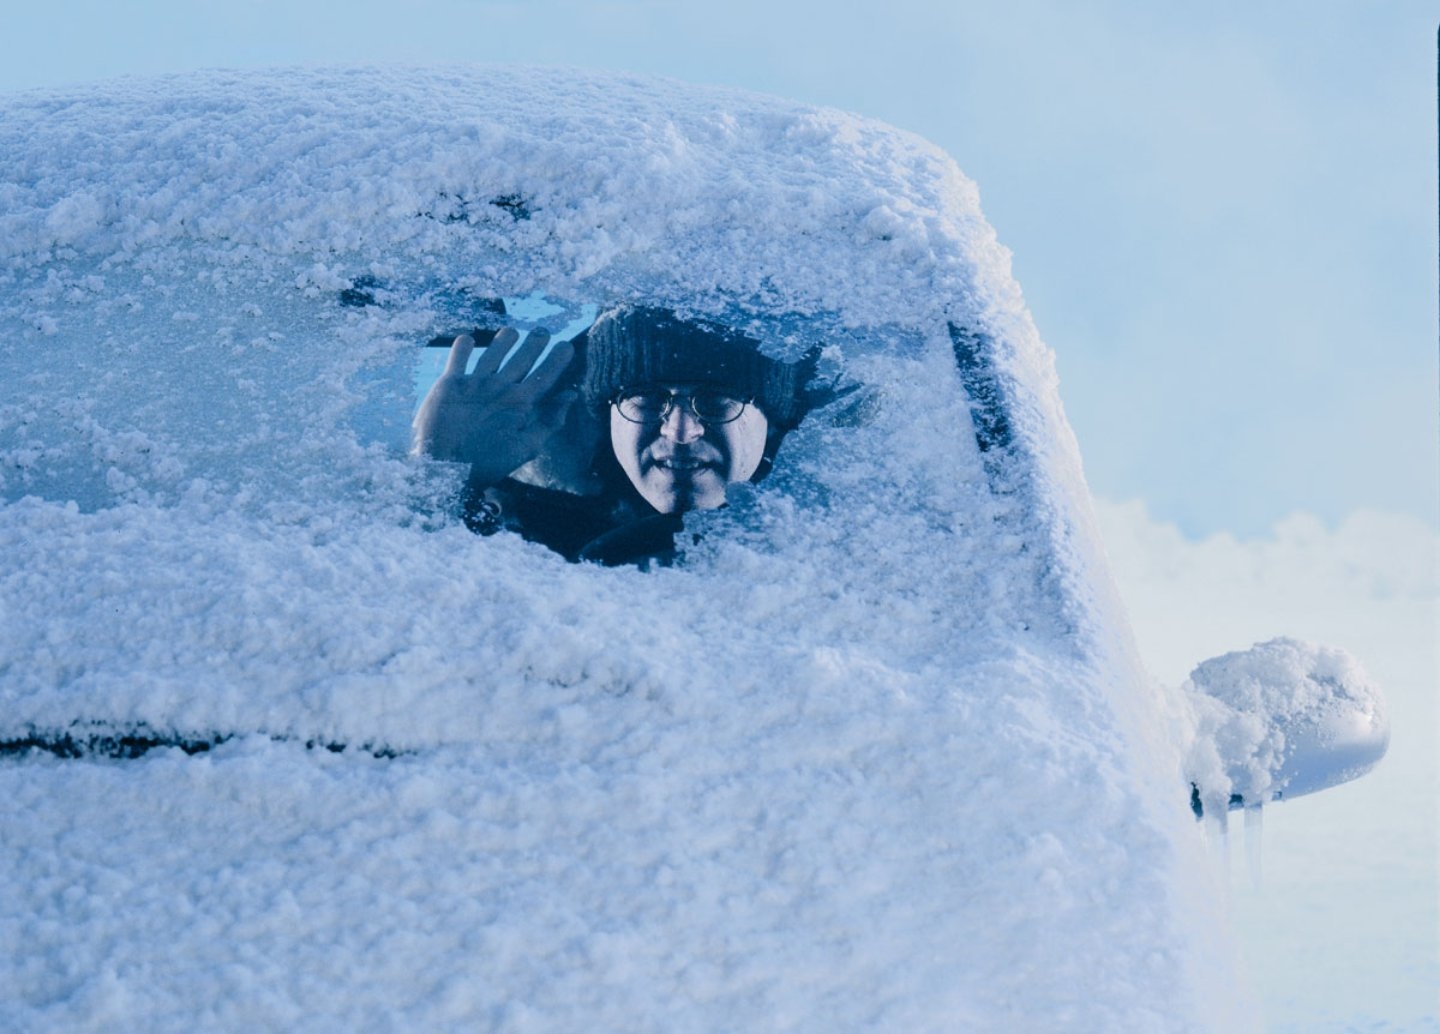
(631, 346)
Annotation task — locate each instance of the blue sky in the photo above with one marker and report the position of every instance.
(1223, 217)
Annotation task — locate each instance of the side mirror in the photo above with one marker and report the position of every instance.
(1279, 720)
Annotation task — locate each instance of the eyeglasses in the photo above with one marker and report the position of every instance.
(653, 405)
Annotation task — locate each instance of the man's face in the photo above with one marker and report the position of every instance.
(681, 462)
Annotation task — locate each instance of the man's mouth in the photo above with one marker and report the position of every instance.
(684, 465)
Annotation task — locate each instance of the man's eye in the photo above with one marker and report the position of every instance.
(716, 406)
(643, 408)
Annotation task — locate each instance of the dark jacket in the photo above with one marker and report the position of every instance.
(608, 529)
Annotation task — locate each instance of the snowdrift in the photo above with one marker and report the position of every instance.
(873, 754)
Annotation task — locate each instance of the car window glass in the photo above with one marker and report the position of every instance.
(235, 382)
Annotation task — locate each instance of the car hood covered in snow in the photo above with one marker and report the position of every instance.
(873, 754)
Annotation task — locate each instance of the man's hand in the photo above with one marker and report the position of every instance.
(495, 419)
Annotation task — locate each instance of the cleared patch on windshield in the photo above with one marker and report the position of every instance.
(596, 438)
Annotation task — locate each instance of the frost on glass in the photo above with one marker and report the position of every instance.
(218, 377)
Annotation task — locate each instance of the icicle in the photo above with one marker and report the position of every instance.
(1217, 832)
(1253, 829)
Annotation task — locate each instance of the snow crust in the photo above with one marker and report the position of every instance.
(875, 755)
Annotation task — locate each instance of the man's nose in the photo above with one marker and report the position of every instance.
(680, 424)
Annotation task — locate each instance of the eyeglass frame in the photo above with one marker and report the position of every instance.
(669, 406)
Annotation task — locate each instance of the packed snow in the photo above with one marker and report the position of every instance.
(874, 755)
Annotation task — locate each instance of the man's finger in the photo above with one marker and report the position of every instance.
(550, 371)
(525, 356)
(551, 413)
(460, 350)
(499, 348)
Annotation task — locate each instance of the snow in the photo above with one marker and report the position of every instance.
(875, 755)
(1283, 718)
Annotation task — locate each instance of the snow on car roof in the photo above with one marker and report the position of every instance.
(874, 754)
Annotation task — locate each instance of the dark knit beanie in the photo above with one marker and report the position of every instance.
(634, 346)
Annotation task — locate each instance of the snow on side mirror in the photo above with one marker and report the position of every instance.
(1279, 720)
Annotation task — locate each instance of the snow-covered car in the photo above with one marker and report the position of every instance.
(288, 744)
